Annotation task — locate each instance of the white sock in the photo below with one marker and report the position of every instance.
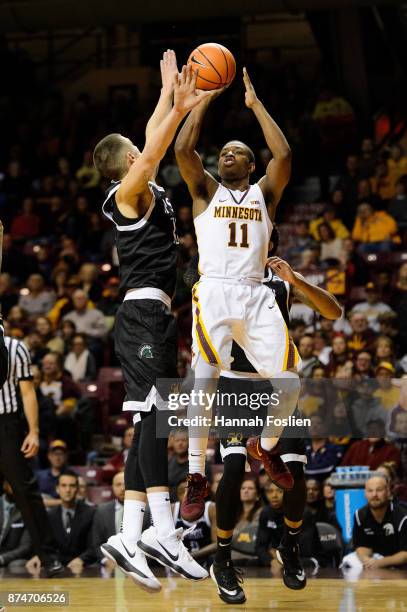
(196, 455)
(133, 515)
(161, 514)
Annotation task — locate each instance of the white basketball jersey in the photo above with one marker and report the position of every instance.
(233, 234)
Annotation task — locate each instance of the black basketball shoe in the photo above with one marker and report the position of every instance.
(293, 572)
(227, 579)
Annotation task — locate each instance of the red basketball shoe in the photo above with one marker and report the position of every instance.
(193, 504)
(273, 464)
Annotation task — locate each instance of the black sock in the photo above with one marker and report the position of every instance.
(224, 549)
(290, 535)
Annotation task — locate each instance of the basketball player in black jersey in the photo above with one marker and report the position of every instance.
(145, 339)
(286, 284)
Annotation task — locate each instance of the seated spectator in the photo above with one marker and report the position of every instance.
(373, 307)
(302, 242)
(322, 455)
(338, 355)
(83, 491)
(387, 393)
(67, 330)
(71, 524)
(398, 205)
(110, 301)
(87, 175)
(367, 160)
(328, 493)
(26, 225)
(329, 217)
(79, 362)
(108, 519)
(48, 477)
(399, 431)
(397, 162)
(46, 416)
(201, 540)
(90, 322)
(18, 321)
(247, 520)
(88, 276)
(306, 351)
(118, 461)
(375, 231)
(385, 351)
(383, 182)
(363, 366)
(37, 300)
(35, 347)
(15, 541)
(49, 340)
(322, 348)
(348, 181)
(64, 303)
(314, 396)
(365, 408)
(331, 245)
(65, 394)
(371, 452)
(315, 505)
(379, 535)
(361, 338)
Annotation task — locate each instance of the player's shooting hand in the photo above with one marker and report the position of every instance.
(169, 70)
(186, 96)
(282, 269)
(30, 445)
(250, 97)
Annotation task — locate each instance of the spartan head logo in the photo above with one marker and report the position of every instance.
(145, 351)
(388, 529)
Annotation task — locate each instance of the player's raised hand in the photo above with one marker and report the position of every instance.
(282, 269)
(169, 70)
(250, 96)
(186, 96)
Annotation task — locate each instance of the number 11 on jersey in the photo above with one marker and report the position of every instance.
(232, 238)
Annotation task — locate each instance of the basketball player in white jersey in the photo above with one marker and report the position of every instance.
(233, 222)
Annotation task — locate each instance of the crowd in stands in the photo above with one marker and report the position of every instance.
(59, 292)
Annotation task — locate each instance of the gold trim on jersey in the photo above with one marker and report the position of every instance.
(204, 342)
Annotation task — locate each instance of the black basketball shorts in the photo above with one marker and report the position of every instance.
(146, 345)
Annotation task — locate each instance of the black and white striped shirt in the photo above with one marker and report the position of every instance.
(19, 368)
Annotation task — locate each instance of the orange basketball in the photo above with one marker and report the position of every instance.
(216, 65)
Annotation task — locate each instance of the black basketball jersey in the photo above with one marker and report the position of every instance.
(281, 290)
(147, 246)
(200, 535)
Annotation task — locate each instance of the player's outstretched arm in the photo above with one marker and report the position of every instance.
(316, 298)
(186, 97)
(278, 171)
(201, 183)
(169, 70)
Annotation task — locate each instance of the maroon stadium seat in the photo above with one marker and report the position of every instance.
(92, 475)
(99, 495)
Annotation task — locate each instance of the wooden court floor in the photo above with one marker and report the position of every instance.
(378, 592)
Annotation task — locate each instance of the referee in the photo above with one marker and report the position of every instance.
(16, 448)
